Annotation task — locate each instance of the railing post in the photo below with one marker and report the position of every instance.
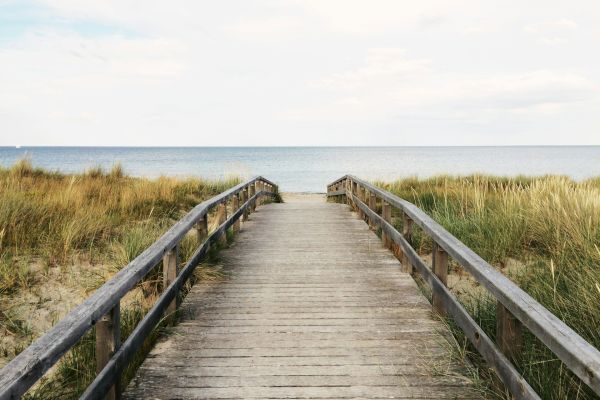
(202, 228)
(386, 214)
(236, 206)
(373, 207)
(221, 218)
(407, 233)
(361, 196)
(251, 192)
(244, 200)
(440, 269)
(347, 187)
(257, 190)
(108, 341)
(169, 275)
(354, 193)
(509, 333)
(407, 227)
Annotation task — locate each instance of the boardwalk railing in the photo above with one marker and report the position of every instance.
(101, 309)
(515, 308)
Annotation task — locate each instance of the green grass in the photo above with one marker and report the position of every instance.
(551, 226)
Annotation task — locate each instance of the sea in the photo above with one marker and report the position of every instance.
(310, 169)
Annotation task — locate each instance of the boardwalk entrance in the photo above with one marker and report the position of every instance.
(311, 306)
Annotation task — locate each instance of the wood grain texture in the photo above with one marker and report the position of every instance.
(108, 340)
(312, 306)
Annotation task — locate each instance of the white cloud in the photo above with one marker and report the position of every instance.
(378, 16)
(292, 72)
(533, 90)
(391, 83)
(552, 32)
(385, 66)
(271, 29)
(562, 24)
(53, 81)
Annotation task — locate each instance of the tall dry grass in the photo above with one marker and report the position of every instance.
(102, 218)
(551, 226)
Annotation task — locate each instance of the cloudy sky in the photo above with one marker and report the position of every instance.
(294, 72)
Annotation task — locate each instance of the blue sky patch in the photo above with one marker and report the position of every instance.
(22, 17)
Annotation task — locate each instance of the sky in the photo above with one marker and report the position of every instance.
(299, 72)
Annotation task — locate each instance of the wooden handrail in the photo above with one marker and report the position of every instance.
(30, 365)
(581, 357)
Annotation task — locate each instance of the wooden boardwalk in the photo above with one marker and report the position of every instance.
(312, 306)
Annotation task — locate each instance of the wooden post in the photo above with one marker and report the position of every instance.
(407, 233)
(361, 197)
(236, 206)
(373, 207)
(407, 227)
(386, 213)
(202, 228)
(358, 196)
(257, 190)
(170, 274)
(221, 218)
(440, 269)
(509, 333)
(251, 192)
(244, 200)
(108, 341)
(348, 188)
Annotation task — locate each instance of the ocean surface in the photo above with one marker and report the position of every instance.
(309, 169)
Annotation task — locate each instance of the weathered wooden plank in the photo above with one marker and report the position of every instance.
(295, 392)
(312, 380)
(124, 354)
(286, 318)
(398, 351)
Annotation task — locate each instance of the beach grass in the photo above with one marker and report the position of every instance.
(544, 234)
(69, 233)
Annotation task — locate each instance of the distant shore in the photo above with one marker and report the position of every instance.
(309, 169)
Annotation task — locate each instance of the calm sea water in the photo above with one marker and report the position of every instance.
(309, 169)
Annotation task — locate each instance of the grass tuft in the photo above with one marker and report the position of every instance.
(549, 227)
(96, 220)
